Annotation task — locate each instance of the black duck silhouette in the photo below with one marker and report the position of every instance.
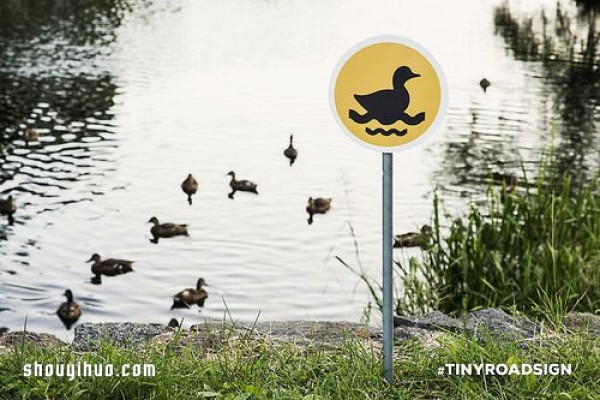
(388, 105)
(484, 83)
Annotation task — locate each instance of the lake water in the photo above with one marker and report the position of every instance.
(126, 110)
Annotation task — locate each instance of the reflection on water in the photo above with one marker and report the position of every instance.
(565, 39)
(131, 97)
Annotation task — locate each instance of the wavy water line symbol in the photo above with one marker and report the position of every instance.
(383, 132)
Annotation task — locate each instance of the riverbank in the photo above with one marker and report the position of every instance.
(312, 360)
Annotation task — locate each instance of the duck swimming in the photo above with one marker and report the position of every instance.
(8, 207)
(388, 105)
(166, 230)
(108, 267)
(484, 84)
(241, 185)
(414, 239)
(69, 311)
(189, 187)
(189, 296)
(291, 152)
(320, 205)
(30, 135)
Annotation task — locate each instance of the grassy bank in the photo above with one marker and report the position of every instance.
(532, 247)
(258, 369)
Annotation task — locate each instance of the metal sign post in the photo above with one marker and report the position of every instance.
(388, 94)
(388, 296)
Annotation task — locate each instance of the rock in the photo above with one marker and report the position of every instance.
(125, 334)
(13, 339)
(432, 321)
(491, 321)
(583, 322)
(499, 323)
(321, 331)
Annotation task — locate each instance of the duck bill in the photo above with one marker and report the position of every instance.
(91, 259)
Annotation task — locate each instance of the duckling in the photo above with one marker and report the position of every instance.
(189, 187)
(189, 296)
(166, 230)
(8, 207)
(320, 205)
(4, 330)
(291, 152)
(173, 323)
(30, 135)
(241, 185)
(69, 311)
(108, 267)
(414, 239)
(484, 83)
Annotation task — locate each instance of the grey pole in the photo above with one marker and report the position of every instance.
(388, 298)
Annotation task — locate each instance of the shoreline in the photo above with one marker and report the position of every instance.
(423, 328)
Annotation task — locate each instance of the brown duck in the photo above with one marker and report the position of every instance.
(187, 297)
(320, 205)
(110, 266)
(69, 311)
(30, 135)
(241, 185)
(166, 230)
(8, 207)
(189, 187)
(291, 153)
(415, 239)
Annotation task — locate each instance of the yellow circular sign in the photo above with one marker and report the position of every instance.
(388, 93)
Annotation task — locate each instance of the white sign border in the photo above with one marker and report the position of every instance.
(407, 42)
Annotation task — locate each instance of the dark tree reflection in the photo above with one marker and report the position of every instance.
(559, 47)
(52, 79)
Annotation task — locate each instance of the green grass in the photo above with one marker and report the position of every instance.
(535, 250)
(537, 245)
(245, 368)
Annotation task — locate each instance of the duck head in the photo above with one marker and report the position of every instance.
(201, 283)
(403, 74)
(153, 220)
(231, 174)
(95, 258)
(426, 230)
(69, 295)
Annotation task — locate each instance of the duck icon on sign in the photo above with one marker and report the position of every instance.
(388, 106)
(388, 92)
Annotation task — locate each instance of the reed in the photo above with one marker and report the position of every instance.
(539, 245)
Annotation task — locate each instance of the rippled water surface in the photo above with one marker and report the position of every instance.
(128, 102)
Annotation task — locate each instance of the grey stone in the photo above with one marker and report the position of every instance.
(126, 334)
(480, 323)
(583, 322)
(433, 321)
(13, 339)
(498, 323)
